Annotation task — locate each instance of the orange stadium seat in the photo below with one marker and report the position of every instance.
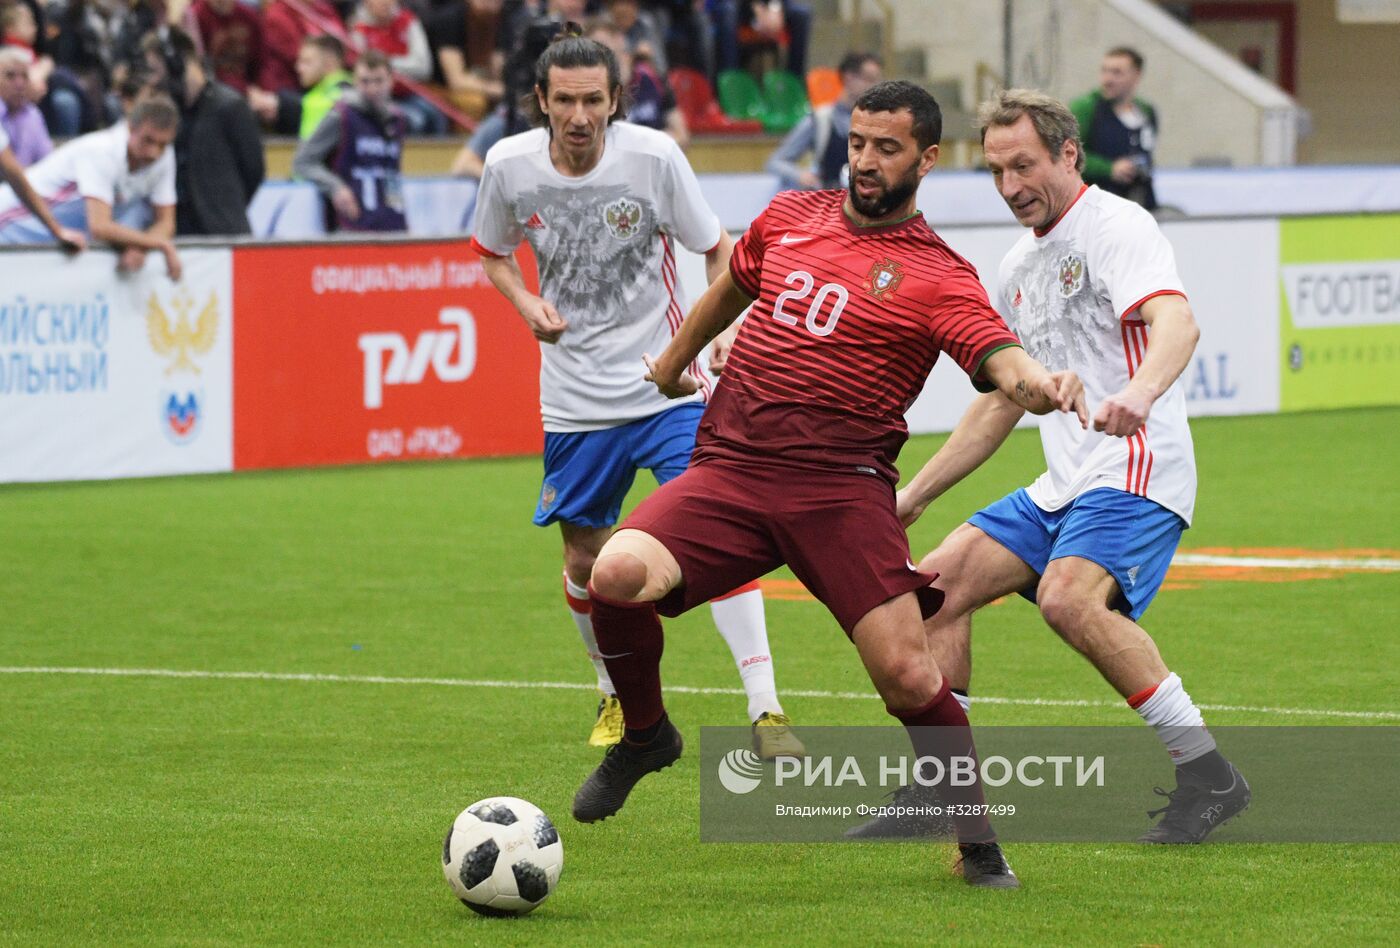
(823, 86)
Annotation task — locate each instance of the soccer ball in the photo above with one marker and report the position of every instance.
(502, 856)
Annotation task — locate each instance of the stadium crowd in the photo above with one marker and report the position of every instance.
(449, 58)
(236, 70)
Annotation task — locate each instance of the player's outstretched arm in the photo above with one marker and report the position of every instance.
(1032, 386)
(720, 305)
(1169, 351)
(980, 431)
(539, 314)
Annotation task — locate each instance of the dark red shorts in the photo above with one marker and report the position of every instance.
(728, 523)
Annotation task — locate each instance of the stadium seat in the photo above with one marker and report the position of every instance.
(823, 86)
(785, 101)
(739, 95)
(702, 113)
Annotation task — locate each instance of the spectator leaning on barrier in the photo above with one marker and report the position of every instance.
(1118, 130)
(354, 157)
(822, 132)
(21, 119)
(117, 184)
(218, 152)
(21, 194)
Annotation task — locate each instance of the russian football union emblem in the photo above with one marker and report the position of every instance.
(884, 278)
(182, 414)
(624, 218)
(1071, 275)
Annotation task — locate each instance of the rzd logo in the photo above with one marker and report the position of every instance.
(407, 366)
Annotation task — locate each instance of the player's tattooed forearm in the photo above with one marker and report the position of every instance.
(1023, 392)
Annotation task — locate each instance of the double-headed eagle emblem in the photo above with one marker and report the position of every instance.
(180, 337)
(624, 218)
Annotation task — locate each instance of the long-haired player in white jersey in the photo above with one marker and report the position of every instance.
(602, 203)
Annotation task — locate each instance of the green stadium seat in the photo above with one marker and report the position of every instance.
(785, 101)
(739, 95)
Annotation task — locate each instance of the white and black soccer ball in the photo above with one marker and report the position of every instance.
(502, 856)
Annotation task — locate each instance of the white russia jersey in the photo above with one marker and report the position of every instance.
(1072, 294)
(605, 246)
(93, 166)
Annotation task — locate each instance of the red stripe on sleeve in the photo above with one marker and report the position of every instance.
(1138, 305)
(481, 249)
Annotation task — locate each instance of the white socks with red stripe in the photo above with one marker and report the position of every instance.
(1168, 710)
(739, 618)
(581, 609)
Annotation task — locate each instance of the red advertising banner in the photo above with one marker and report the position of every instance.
(377, 352)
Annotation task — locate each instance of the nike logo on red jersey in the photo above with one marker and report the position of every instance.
(790, 239)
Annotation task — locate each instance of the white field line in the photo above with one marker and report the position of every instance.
(676, 689)
(1267, 562)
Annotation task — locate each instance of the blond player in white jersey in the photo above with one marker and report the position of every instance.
(603, 203)
(1092, 288)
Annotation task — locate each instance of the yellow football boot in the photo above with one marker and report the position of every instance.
(773, 737)
(607, 730)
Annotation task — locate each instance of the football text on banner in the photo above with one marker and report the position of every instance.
(115, 375)
(1340, 301)
(375, 352)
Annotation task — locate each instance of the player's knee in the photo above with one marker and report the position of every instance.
(911, 684)
(619, 576)
(578, 564)
(1066, 608)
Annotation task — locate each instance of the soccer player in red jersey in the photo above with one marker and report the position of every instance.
(854, 296)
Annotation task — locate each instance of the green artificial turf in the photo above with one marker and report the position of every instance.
(160, 810)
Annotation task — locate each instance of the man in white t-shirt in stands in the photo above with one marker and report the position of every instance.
(116, 185)
(25, 195)
(602, 203)
(1092, 288)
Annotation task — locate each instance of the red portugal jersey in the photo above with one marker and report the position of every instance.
(847, 324)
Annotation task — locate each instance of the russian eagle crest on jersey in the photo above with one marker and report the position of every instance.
(624, 218)
(1071, 275)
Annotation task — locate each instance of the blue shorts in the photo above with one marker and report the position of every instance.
(1131, 537)
(587, 474)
